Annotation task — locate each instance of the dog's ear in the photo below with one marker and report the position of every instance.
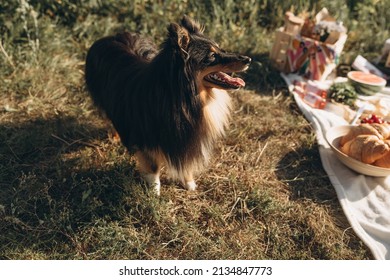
(191, 25)
(179, 36)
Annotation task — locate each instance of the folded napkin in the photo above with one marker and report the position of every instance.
(365, 200)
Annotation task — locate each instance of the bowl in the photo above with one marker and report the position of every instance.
(333, 137)
(366, 83)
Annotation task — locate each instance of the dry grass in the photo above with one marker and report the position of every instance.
(69, 190)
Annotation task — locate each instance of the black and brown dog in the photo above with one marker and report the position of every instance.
(169, 106)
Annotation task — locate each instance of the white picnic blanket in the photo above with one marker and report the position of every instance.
(365, 200)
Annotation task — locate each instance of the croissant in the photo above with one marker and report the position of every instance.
(382, 131)
(366, 148)
(385, 160)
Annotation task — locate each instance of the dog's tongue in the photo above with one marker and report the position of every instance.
(230, 80)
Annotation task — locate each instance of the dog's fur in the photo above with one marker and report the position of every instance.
(167, 106)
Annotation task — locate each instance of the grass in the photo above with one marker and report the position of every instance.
(69, 190)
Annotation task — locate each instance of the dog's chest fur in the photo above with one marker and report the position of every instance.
(217, 112)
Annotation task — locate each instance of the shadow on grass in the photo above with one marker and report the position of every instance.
(262, 77)
(51, 186)
(302, 171)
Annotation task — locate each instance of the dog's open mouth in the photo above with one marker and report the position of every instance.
(225, 80)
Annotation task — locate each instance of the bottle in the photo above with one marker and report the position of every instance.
(314, 100)
(311, 95)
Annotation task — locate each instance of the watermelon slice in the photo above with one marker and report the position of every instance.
(366, 83)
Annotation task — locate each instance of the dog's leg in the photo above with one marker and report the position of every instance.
(149, 167)
(189, 183)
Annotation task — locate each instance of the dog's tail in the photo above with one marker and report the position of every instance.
(115, 58)
(143, 47)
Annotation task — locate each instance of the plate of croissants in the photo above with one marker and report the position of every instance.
(365, 148)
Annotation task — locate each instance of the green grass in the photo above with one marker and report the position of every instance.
(69, 190)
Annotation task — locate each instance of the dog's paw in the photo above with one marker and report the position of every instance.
(153, 181)
(157, 187)
(191, 186)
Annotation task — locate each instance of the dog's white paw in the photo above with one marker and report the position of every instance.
(191, 186)
(153, 181)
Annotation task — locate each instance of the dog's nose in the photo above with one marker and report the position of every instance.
(245, 59)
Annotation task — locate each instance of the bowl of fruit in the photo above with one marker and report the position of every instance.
(372, 118)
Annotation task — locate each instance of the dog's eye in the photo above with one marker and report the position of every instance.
(212, 56)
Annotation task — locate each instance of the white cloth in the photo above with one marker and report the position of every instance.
(365, 200)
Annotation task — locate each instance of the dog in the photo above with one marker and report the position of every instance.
(168, 105)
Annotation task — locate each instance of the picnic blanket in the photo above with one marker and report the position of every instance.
(365, 200)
